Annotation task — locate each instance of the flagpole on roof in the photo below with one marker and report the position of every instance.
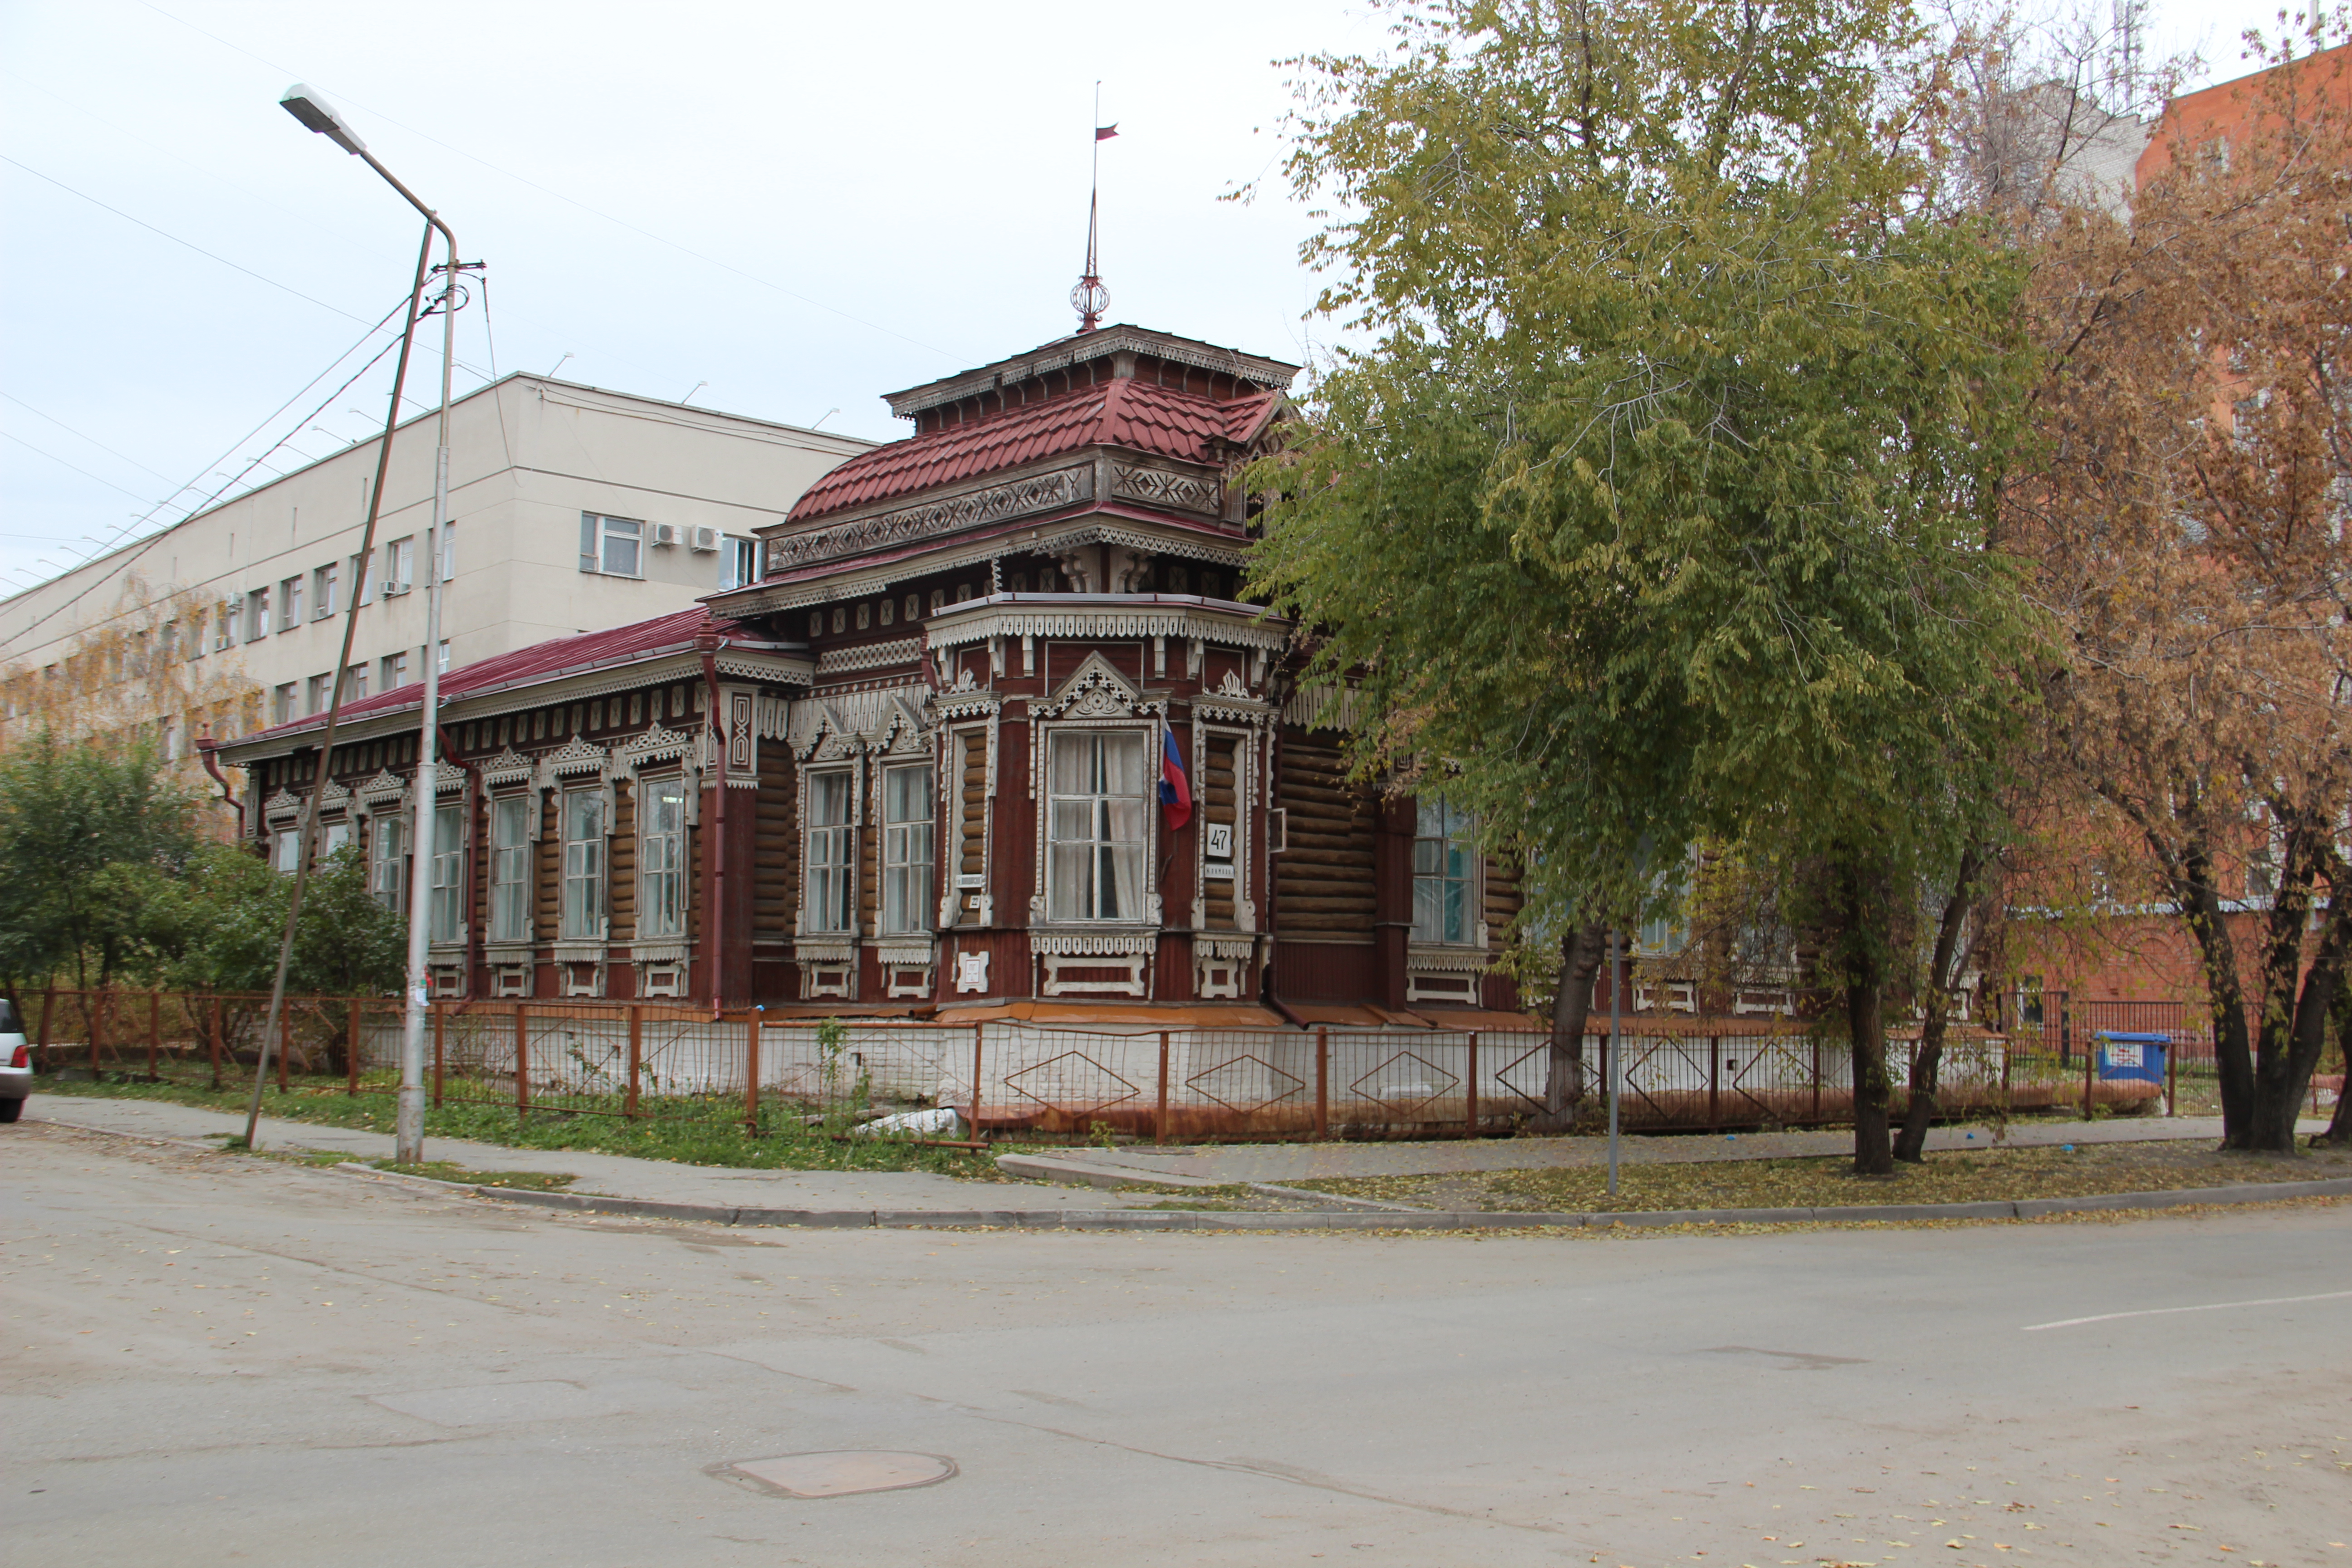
(1090, 299)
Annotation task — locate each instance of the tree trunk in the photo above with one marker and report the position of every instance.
(1950, 958)
(1865, 1021)
(2292, 1049)
(2233, 1057)
(2340, 1126)
(1580, 958)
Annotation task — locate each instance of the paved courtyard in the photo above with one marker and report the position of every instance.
(221, 1360)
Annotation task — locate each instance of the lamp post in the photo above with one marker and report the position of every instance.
(408, 1127)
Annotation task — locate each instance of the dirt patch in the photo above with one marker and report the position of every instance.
(2086, 1170)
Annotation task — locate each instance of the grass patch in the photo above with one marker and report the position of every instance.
(785, 1142)
(2088, 1170)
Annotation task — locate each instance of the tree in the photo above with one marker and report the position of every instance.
(216, 927)
(2189, 531)
(1657, 505)
(71, 816)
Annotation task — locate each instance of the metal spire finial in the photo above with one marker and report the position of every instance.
(1089, 299)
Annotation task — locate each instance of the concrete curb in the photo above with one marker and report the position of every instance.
(1414, 1219)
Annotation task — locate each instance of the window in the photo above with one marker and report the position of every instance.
(739, 563)
(196, 643)
(321, 692)
(256, 615)
(285, 850)
(324, 582)
(448, 550)
(661, 858)
(393, 669)
(388, 860)
(281, 704)
(832, 867)
(611, 545)
(354, 682)
(1097, 826)
(906, 849)
(441, 658)
(290, 604)
(583, 864)
(447, 921)
(1445, 874)
(224, 627)
(511, 867)
(399, 565)
(363, 580)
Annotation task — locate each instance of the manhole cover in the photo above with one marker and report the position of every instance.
(840, 1472)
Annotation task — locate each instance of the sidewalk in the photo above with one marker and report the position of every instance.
(1306, 1162)
(607, 1175)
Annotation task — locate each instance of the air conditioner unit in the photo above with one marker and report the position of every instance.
(665, 533)
(706, 538)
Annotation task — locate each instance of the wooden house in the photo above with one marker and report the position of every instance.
(919, 763)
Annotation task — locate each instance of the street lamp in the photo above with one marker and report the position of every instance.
(408, 1127)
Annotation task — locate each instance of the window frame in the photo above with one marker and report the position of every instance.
(510, 901)
(256, 615)
(289, 603)
(1455, 836)
(1095, 846)
(833, 866)
(599, 532)
(445, 910)
(664, 842)
(583, 917)
(324, 580)
(388, 861)
(738, 562)
(399, 565)
(910, 866)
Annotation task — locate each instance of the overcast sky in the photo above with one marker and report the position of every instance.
(802, 206)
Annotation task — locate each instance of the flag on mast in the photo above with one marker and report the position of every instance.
(1105, 132)
(1175, 792)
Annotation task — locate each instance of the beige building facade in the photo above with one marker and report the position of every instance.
(574, 508)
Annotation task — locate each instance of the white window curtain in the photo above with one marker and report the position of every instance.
(511, 867)
(1445, 874)
(448, 873)
(906, 849)
(583, 864)
(1098, 826)
(661, 858)
(832, 866)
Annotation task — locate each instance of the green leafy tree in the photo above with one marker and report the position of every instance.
(1658, 504)
(217, 926)
(76, 820)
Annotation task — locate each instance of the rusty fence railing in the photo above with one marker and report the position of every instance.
(656, 1060)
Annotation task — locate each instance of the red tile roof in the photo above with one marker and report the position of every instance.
(1124, 412)
(542, 661)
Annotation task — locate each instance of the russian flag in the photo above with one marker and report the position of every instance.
(1175, 794)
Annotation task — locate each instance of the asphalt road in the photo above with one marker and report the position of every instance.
(217, 1360)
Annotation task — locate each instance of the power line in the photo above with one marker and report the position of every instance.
(76, 468)
(71, 431)
(133, 553)
(175, 240)
(573, 201)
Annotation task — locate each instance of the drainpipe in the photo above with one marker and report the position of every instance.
(471, 926)
(205, 747)
(717, 923)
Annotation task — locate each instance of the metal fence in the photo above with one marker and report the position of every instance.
(661, 1061)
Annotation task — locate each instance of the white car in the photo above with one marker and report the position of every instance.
(16, 1062)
